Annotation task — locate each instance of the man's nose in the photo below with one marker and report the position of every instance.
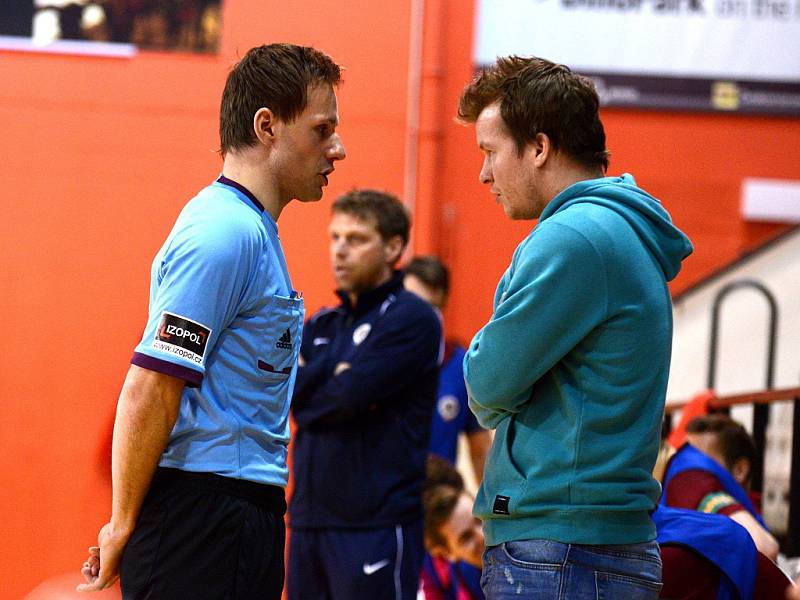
(337, 151)
(485, 175)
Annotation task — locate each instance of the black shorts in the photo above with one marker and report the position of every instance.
(201, 536)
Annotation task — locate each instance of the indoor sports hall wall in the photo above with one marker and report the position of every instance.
(100, 155)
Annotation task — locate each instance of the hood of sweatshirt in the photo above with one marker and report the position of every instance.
(668, 244)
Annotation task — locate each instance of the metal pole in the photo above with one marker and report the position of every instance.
(760, 412)
(793, 534)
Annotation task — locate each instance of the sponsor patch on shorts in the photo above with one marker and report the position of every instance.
(182, 337)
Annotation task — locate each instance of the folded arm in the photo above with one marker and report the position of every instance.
(553, 295)
(401, 347)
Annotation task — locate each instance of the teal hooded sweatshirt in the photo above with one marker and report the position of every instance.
(572, 369)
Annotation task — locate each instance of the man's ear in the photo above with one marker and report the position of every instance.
(540, 149)
(741, 470)
(392, 249)
(264, 125)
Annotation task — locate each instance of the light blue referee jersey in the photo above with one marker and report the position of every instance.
(223, 316)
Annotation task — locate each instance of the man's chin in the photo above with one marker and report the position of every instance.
(517, 215)
(510, 213)
(312, 195)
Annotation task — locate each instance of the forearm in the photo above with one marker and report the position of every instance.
(310, 375)
(377, 375)
(146, 412)
(489, 418)
(331, 404)
(479, 443)
(553, 295)
(765, 543)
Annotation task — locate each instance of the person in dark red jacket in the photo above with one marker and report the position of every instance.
(707, 556)
(711, 474)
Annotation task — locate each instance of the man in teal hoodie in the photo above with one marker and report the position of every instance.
(571, 370)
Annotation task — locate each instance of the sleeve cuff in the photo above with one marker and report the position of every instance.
(718, 502)
(190, 376)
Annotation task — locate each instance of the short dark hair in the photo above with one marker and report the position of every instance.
(275, 76)
(388, 213)
(539, 96)
(443, 487)
(732, 438)
(430, 271)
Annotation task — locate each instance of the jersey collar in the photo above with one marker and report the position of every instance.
(238, 186)
(370, 298)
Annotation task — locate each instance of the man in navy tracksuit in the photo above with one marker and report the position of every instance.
(362, 406)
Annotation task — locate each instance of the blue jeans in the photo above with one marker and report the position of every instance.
(548, 570)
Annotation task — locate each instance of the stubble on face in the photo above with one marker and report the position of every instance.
(510, 174)
(358, 254)
(307, 147)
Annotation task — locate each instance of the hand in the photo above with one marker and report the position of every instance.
(341, 368)
(301, 362)
(765, 543)
(101, 569)
(793, 592)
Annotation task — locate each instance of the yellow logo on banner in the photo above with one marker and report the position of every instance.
(725, 95)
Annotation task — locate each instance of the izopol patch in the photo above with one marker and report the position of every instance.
(182, 337)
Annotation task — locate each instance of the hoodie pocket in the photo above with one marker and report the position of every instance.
(503, 481)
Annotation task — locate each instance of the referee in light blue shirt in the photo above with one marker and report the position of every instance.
(201, 434)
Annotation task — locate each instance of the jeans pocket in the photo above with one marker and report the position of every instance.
(508, 577)
(612, 586)
(647, 551)
(541, 554)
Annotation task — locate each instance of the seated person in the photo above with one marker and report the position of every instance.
(708, 556)
(711, 474)
(453, 536)
(704, 556)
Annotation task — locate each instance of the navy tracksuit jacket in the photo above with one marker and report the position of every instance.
(361, 439)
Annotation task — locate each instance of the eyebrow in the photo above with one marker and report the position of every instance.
(326, 119)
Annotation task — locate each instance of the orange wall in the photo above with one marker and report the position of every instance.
(100, 154)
